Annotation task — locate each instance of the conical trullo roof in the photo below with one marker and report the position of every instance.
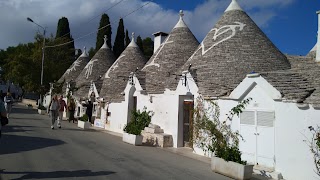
(75, 69)
(94, 70)
(235, 47)
(170, 56)
(116, 78)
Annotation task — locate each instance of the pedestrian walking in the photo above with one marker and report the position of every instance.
(8, 100)
(71, 109)
(3, 114)
(63, 106)
(54, 107)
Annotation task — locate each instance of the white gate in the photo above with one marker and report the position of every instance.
(257, 130)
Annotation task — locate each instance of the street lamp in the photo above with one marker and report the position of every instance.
(43, 46)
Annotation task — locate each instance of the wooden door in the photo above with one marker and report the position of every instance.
(187, 122)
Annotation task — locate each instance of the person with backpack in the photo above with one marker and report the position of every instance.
(8, 100)
(71, 109)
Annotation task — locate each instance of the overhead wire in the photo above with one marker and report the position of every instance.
(62, 44)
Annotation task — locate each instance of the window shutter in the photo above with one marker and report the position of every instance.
(265, 118)
(247, 117)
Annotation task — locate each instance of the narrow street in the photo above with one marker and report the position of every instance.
(29, 149)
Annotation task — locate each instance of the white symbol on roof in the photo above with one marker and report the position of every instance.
(222, 30)
(113, 67)
(89, 67)
(74, 65)
(152, 63)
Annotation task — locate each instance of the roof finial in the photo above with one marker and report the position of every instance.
(132, 43)
(181, 13)
(233, 6)
(84, 53)
(105, 38)
(105, 42)
(180, 22)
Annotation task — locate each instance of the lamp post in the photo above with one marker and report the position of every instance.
(43, 46)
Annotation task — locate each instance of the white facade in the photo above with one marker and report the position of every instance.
(277, 143)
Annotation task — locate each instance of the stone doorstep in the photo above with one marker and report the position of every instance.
(264, 173)
(153, 130)
(153, 126)
(157, 140)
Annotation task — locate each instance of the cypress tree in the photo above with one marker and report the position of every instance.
(148, 47)
(127, 38)
(63, 32)
(139, 43)
(118, 46)
(104, 21)
(91, 52)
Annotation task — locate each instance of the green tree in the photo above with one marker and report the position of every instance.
(104, 22)
(148, 47)
(91, 52)
(127, 38)
(118, 47)
(63, 33)
(139, 43)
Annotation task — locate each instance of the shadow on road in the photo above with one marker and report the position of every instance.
(58, 174)
(12, 128)
(20, 110)
(10, 144)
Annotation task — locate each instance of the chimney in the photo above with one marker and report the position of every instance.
(318, 40)
(159, 37)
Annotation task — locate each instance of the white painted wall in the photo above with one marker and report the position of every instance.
(293, 158)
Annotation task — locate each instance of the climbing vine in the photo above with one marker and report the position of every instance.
(213, 135)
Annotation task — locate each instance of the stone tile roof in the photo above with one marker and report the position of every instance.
(116, 78)
(235, 47)
(308, 68)
(292, 85)
(171, 55)
(74, 70)
(94, 70)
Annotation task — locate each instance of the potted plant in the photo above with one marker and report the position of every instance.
(83, 122)
(139, 120)
(215, 136)
(42, 110)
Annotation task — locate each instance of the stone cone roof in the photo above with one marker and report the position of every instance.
(313, 52)
(233, 48)
(170, 56)
(308, 68)
(74, 70)
(116, 78)
(94, 70)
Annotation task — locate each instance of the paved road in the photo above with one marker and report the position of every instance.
(29, 149)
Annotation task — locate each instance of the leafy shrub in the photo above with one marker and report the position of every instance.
(215, 136)
(314, 145)
(84, 118)
(139, 120)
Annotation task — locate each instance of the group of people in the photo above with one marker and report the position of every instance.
(57, 107)
(5, 107)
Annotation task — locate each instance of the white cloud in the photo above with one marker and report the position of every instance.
(152, 18)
